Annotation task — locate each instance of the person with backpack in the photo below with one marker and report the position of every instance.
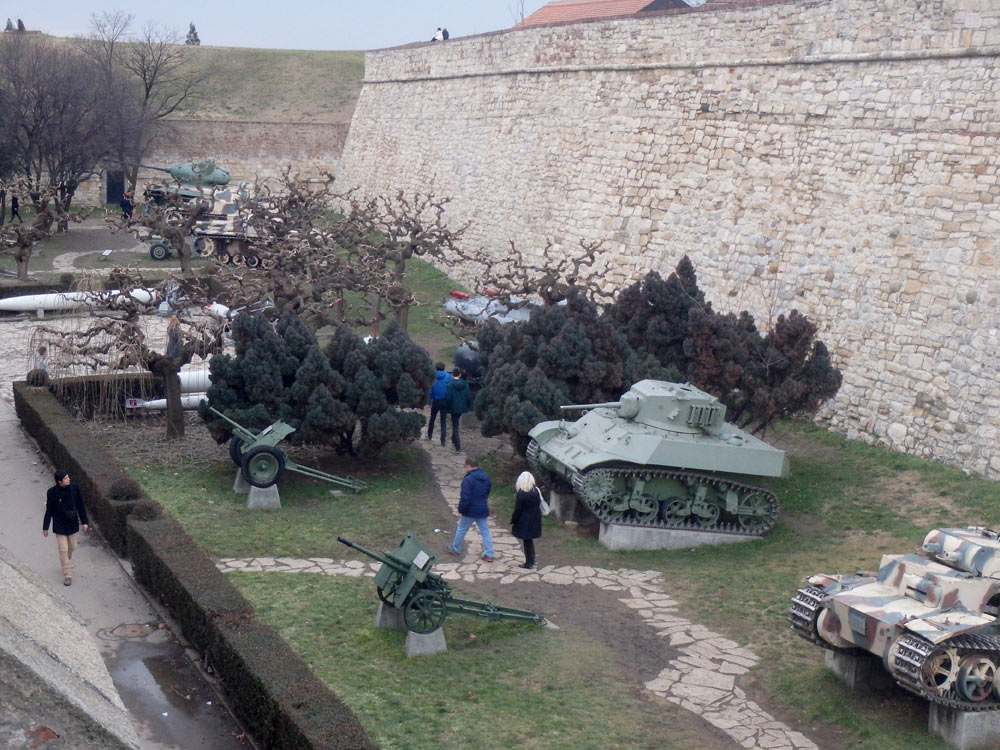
(458, 401)
(437, 398)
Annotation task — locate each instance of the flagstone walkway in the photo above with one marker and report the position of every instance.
(701, 667)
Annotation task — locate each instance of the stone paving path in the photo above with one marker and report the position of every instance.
(702, 666)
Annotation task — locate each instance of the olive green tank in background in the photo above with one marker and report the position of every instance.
(931, 616)
(662, 456)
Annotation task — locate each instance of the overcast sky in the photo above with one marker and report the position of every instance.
(285, 24)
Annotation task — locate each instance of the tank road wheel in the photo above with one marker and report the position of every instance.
(424, 613)
(262, 465)
(159, 251)
(675, 510)
(707, 514)
(976, 674)
(940, 670)
(237, 259)
(646, 508)
(753, 511)
(252, 261)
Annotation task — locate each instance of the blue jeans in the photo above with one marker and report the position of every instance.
(464, 522)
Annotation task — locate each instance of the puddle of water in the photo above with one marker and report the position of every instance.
(170, 703)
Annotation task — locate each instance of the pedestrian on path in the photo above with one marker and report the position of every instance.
(526, 520)
(64, 508)
(473, 508)
(437, 398)
(458, 399)
(15, 209)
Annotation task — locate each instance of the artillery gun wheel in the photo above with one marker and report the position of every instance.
(262, 465)
(159, 251)
(236, 450)
(976, 675)
(387, 597)
(424, 613)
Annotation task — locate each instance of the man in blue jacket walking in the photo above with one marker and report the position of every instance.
(473, 509)
(439, 391)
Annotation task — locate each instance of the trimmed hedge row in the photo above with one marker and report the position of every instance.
(284, 705)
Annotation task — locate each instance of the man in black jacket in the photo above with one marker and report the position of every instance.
(64, 508)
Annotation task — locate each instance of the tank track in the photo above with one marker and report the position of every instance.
(911, 659)
(544, 476)
(804, 612)
(579, 477)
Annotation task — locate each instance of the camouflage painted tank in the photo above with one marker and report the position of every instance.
(931, 616)
(662, 456)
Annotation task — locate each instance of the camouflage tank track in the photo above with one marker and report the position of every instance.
(912, 659)
(677, 475)
(804, 611)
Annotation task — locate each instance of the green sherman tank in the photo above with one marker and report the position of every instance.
(662, 456)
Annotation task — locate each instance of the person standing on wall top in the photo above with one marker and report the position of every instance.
(444, 35)
(437, 398)
(64, 508)
(458, 399)
(473, 508)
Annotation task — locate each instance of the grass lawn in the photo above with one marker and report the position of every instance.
(844, 505)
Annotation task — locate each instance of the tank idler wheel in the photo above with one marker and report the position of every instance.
(976, 675)
(753, 511)
(939, 672)
(262, 465)
(424, 613)
(675, 510)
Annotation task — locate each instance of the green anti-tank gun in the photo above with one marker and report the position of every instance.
(662, 456)
(261, 462)
(405, 581)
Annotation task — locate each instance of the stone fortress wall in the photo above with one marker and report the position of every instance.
(249, 150)
(835, 156)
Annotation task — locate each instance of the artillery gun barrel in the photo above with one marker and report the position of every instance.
(606, 405)
(396, 564)
(220, 414)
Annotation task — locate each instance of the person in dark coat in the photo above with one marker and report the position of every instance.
(526, 521)
(64, 508)
(473, 508)
(15, 209)
(437, 398)
(458, 400)
(127, 206)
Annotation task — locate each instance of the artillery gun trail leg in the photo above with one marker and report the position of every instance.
(262, 465)
(424, 613)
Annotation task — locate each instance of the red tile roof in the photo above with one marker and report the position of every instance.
(563, 11)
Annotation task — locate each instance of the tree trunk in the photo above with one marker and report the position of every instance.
(168, 369)
(22, 267)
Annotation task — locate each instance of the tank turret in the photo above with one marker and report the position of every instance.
(195, 173)
(930, 615)
(662, 456)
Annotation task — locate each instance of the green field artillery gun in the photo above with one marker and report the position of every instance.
(405, 581)
(662, 456)
(262, 463)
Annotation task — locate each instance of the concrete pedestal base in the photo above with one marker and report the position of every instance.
(426, 644)
(240, 484)
(617, 537)
(861, 672)
(388, 617)
(264, 497)
(566, 507)
(965, 730)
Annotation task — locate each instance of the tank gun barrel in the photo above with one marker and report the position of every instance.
(605, 405)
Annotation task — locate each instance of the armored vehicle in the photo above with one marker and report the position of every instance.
(930, 615)
(662, 456)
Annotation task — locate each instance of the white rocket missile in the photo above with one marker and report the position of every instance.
(71, 300)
